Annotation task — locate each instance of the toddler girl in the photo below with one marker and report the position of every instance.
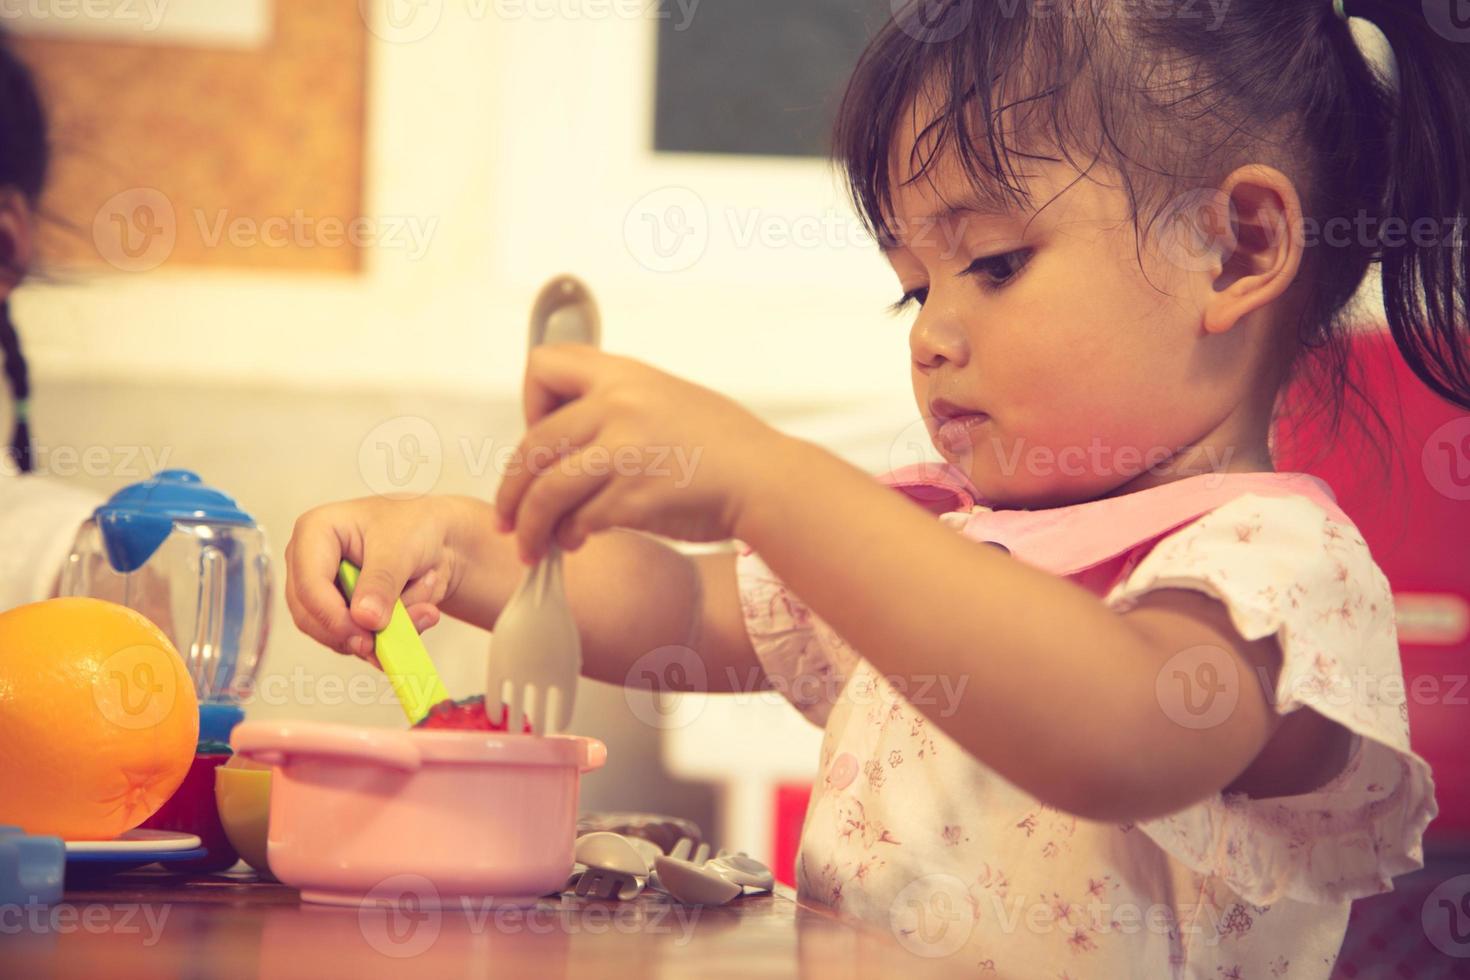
(1104, 695)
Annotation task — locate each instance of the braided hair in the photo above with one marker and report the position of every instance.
(24, 158)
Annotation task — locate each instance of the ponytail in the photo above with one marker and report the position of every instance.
(1426, 279)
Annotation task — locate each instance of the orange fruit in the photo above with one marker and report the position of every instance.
(98, 718)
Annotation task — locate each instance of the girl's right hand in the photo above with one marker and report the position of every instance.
(403, 548)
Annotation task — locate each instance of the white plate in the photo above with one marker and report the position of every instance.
(139, 839)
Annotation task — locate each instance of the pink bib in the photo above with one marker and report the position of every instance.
(1067, 540)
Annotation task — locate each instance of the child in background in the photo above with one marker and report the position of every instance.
(38, 517)
(1103, 694)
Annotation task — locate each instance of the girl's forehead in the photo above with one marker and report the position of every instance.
(945, 192)
(928, 179)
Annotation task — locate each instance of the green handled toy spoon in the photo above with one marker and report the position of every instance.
(403, 656)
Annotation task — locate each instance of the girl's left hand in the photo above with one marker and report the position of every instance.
(614, 442)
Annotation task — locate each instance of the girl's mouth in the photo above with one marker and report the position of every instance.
(954, 433)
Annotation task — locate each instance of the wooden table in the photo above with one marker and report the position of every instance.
(161, 926)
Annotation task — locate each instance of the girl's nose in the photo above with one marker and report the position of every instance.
(936, 338)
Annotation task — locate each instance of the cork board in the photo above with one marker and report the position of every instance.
(180, 156)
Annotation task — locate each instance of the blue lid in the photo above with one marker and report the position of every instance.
(32, 868)
(138, 518)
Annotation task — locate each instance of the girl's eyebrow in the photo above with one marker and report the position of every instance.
(971, 205)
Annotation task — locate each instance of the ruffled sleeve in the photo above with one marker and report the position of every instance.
(1284, 568)
(801, 655)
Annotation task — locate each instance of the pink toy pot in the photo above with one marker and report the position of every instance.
(369, 816)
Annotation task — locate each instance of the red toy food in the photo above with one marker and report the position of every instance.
(466, 715)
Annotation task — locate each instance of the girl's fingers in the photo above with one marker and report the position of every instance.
(311, 588)
(422, 589)
(563, 431)
(387, 565)
(597, 513)
(425, 616)
(554, 497)
(558, 373)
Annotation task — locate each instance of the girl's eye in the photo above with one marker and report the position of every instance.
(920, 296)
(997, 271)
(994, 272)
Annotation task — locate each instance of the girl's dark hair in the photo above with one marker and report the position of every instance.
(24, 159)
(1175, 97)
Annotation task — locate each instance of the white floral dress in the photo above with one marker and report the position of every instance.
(907, 830)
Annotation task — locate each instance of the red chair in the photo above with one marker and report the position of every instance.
(1415, 515)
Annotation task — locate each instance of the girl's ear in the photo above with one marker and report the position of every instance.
(16, 239)
(1262, 241)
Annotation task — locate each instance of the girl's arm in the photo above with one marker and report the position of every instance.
(630, 594)
(1043, 683)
